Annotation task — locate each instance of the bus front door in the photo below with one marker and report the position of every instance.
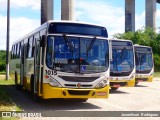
(37, 70)
(22, 64)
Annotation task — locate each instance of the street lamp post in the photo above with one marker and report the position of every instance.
(7, 41)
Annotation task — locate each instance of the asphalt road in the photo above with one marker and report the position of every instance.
(144, 97)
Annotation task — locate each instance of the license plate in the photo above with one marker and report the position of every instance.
(140, 80)
(116, 85)
(101, 94)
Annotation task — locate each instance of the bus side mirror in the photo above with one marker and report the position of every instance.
(43, 41)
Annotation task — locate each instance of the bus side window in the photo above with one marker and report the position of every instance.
(20, 48)
(30, 42)
(17, 52)
(43, 32)
(25, 44)
(33, 47)
(12, 52)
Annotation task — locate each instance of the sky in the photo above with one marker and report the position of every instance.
(25, 16)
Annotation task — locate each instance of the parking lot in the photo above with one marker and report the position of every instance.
(144, 97)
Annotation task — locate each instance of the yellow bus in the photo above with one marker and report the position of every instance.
(63, 59)
(144, 63)
(122, 65)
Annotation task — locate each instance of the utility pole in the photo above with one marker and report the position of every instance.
(7, 41)
(46, 10)
(67, 9)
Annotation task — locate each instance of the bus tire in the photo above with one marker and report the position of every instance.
(32, 84)
(35, 97)
(114, 88)
(16, 81)
(82, 99)
(76, 99)
(136, 83)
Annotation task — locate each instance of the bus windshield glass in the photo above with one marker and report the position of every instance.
(75, 28)
(123, 57)
(77, 55)
(144, 60)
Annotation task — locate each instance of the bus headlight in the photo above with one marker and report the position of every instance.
(103, 83)
(54, 82)
(132, 76)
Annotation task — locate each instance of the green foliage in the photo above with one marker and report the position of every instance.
(157, 74)
(145, 36)
(2, 55)
(2, 60)
(2, 66)
(157, 62)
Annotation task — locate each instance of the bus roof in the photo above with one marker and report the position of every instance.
(77, 22)
(46, 24)
(136, 45)
(115, 39)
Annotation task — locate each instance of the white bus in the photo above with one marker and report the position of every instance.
(122, 65)
(63, 60)
(144, 63)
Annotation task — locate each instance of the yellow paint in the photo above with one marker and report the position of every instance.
(26, 83)
(150, 78)
(39, 90)
(55, 92)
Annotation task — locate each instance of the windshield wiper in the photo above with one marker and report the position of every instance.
(91, 44)
(68, 43)
(71, 47)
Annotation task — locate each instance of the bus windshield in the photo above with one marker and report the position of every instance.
(123, 58)
(77, 55)
(144, 61)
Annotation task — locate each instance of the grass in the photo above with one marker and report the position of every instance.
(6, 103)
(6, 82)
(157, 74)
(2, 72)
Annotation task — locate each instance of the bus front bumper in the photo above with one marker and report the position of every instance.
(55, 92)
(122, 83)
(144, 79)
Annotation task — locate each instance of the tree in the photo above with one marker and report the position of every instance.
(2, 60)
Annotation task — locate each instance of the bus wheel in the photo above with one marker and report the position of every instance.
(114, 88)
(136, 83)
(32, 84)
(34, 95)
(80, 99)
(76, 99)
(16, 81)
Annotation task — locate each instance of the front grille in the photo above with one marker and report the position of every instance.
(78, 79)
(86, 85)
(118, 83)
(74, 92)
(117, 74)
(74, 85)
(144, 79)
(143, 72)
(70, 85)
